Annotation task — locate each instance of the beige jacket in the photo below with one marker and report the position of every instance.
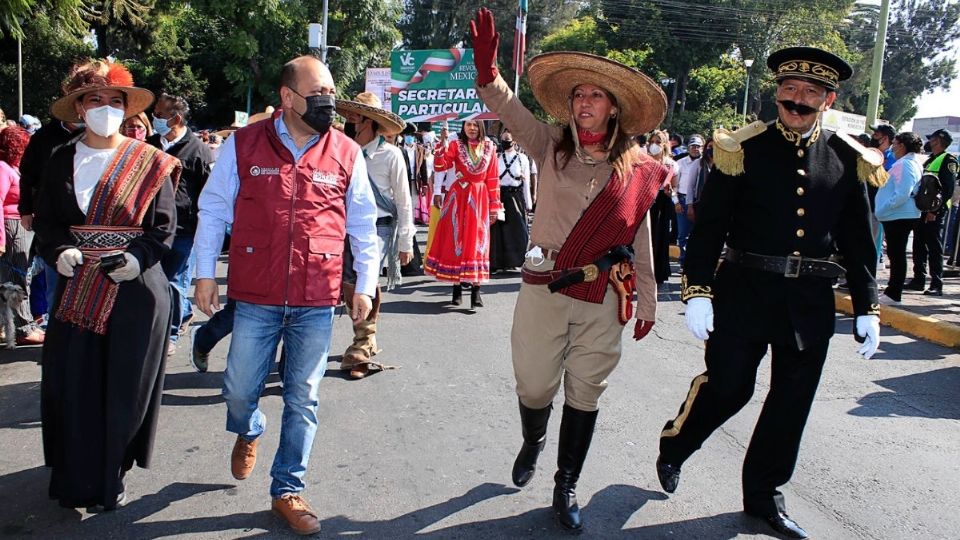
(564, 193)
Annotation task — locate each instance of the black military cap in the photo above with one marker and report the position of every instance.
(944, 136)
(410, 129)
(811, 64)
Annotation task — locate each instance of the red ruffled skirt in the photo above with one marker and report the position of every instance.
(460, 251)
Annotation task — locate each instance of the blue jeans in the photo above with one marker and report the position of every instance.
(178, 267)
(51, 276)
(683, 228)
(218, 327)
(306, 336)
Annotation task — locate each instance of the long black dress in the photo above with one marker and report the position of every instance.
(100, 394)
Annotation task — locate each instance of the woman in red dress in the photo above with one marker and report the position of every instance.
(460, 252)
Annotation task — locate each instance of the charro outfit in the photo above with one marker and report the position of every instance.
(779, 204)
(589, 223)
(395, 229)
(509, 238)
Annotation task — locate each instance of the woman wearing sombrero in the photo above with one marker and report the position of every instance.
(595, 191)
(104, 219)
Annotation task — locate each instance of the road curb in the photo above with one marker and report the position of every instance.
(921, 326)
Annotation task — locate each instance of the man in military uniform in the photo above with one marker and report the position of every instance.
(927, 243)
(781, 195)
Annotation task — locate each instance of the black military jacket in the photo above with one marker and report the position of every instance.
(794, 197)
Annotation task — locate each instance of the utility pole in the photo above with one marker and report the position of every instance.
(323, 44)
(19, 78)
(876, 73)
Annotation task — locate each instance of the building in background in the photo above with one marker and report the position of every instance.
(926, 126)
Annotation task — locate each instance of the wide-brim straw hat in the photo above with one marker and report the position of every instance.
(261, 116)
(99, 75)
(368, 105)
(554, 75)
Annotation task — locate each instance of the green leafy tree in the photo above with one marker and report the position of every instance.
(48, 52)
(67, 15)
(917, 59)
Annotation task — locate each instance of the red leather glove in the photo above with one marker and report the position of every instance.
(641, 329)
(486, 43)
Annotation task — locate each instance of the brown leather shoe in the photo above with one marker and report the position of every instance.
(297, 513)
(243, 457)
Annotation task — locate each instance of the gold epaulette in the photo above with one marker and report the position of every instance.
(727, 152)
(869, 162)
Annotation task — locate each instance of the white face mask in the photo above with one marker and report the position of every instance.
(104, 121)
(654, 149)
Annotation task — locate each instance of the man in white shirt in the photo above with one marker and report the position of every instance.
(689, 168)
(370, 125)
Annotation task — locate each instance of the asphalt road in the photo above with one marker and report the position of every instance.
(425, 450)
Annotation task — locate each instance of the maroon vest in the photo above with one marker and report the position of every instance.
(289, 219)
(612, 219)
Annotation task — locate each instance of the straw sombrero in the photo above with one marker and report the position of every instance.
(368, 105)
(99, 75)
(260, 116)
(554, 75)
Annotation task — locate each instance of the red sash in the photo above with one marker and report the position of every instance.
(611, 219)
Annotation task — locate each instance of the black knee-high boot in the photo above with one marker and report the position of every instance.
(576, 432)
(534, 424)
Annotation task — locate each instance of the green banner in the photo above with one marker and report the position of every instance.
(436, 85)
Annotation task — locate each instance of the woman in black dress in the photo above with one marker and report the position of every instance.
(104, 218)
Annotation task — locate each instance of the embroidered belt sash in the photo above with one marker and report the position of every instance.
(89, 296)
(121, 200)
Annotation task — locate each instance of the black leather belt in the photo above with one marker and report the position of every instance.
(385, 220)
(511, 189)
(791, 266)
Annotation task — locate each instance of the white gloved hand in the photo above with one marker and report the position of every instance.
(67, 259)
(128, 271)
(700, 317)
(868, 326)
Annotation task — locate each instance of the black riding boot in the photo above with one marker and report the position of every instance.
(475, 300)
(457, 294)
(534, 423)
(576, 432)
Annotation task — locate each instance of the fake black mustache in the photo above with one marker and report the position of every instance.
(798, 108)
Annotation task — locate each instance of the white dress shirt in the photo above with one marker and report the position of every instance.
(385, 166)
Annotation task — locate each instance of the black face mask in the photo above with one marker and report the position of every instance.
(506, 145)
(350, 129)
(798, 108)
(319, 113)
(926, 147)
(874, 143)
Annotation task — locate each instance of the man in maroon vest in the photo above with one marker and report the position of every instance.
(293, 189)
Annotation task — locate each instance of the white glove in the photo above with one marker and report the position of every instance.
(128, 271)
(868, 326)
(700, 317)
(68, 258)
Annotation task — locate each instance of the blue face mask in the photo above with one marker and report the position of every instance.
(408, 140)
(160, 126)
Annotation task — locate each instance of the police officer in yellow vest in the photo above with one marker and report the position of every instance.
(780, 196)
(927, 242)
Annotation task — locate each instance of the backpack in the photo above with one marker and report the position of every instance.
(929, 197)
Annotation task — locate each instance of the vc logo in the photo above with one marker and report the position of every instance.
(254, 171)
(406, 59)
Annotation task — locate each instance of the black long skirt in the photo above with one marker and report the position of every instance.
(509, 238)
(660, 216)
(100, 394)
